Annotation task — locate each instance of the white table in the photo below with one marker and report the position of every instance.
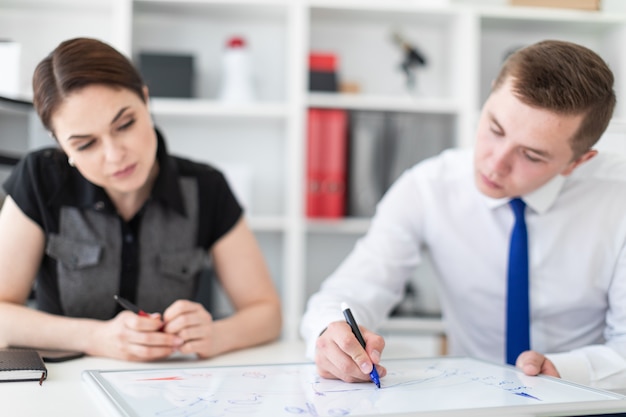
(65, 394)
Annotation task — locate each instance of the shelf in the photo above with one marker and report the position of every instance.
(267, 223)
(582, 23)
(406, 103)
(255, 9)
(359, 10)
(539, 14)
(212, 108)
(58, 5)
(348, 226)
(15, 106)
(362, 37)
(506, 29)
(202, 28)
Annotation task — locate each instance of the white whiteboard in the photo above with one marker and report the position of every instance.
(438, 387)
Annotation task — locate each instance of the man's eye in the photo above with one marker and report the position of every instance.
(531, 158)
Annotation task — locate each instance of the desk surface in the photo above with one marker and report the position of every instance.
(65, 394)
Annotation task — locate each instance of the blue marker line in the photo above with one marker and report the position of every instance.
(524, 394)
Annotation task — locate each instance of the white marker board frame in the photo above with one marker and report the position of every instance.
(442, 387)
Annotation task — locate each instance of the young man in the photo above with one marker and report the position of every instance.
(549, 105)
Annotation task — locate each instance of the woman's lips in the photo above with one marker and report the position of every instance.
(123, 173)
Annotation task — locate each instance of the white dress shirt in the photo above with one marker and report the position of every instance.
(577, 240)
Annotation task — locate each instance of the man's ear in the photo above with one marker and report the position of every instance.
(578, 161)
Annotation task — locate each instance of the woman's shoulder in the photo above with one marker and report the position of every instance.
(192, 168)
(45, 164)
(45, 155)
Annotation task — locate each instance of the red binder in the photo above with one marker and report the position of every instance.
(327, 152)
(335, 163)
(314, 204)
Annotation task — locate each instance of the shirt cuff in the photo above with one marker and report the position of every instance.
(311, 343)
(572, 366)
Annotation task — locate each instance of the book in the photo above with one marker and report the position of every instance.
(383, 145)
(334, 165)
(323, 72)
(367, 164)
(22, 365)
(314, 163)
(413, 138)
(326, 171)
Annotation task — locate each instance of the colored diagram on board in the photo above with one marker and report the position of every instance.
(415, 385)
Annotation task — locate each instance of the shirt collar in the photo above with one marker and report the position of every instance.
(167, 187)
(539, 200)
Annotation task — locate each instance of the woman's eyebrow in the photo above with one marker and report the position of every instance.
(85, 136)
(119, 114)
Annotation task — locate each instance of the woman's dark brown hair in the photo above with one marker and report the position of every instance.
(75, 64)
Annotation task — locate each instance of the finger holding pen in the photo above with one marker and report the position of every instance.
(339, 355)
(373, 373)
(129, 336)
(135, 309)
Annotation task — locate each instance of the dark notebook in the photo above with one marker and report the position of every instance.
(22, 365)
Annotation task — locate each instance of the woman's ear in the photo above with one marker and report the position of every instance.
(146, 96)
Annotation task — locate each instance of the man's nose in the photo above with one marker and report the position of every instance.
(501, 160)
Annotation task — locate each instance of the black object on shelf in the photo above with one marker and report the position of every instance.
(9, 160)
(323, 72)
(167, 75)
(17, 102)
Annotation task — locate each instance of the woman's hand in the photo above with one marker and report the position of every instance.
(132, 337)
(193, 325)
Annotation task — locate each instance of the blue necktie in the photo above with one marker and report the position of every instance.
(517, 308)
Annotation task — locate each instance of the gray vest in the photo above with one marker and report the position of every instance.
(88, 250)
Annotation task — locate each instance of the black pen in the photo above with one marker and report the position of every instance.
(357, 333)
(132, 307)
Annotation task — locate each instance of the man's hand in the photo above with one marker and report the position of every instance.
(339, 355)
(534, 363)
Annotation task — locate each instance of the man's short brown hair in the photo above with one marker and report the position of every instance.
(565, 78)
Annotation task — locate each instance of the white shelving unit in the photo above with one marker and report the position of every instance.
(264, 142)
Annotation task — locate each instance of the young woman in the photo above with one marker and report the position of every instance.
(110, 212)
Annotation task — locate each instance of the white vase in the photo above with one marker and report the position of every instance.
(9, 68)
(237, 86)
